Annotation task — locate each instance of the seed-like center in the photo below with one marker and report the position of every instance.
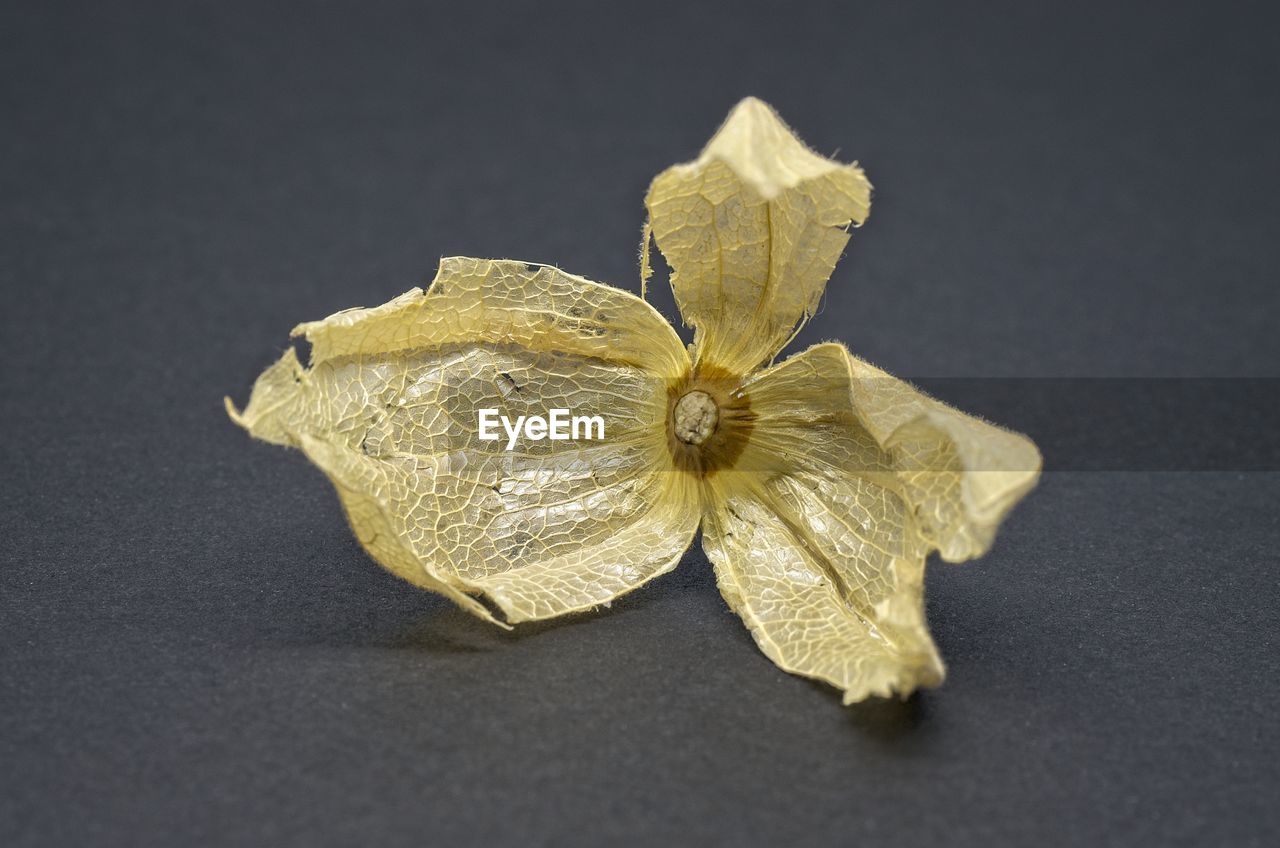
(695, 417)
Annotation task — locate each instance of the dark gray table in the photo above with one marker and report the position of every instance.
(193, 648)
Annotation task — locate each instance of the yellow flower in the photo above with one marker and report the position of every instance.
(821, 484)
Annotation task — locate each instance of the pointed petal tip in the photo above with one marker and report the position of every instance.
(754, 123)
(233, 413)
(752, 108)
(766, 153)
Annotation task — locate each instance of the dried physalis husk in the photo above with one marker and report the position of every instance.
(821, 484)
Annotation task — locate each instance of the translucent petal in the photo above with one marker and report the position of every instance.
(389, 410)
(752, 229)
(819, 534)
(961, 474)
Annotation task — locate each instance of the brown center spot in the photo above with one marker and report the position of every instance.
(709, 420)
(695, 417)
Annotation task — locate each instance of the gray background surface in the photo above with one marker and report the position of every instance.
(193, 648)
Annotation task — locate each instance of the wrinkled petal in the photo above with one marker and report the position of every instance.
(820, 533)
(801, 602)
(961, 474)
(388, 409)
(814, 545)
(752, 230)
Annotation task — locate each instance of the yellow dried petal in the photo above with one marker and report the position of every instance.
(389, 410)
(820, 533)
(752, 229)
(961, 474)
(814, 544)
